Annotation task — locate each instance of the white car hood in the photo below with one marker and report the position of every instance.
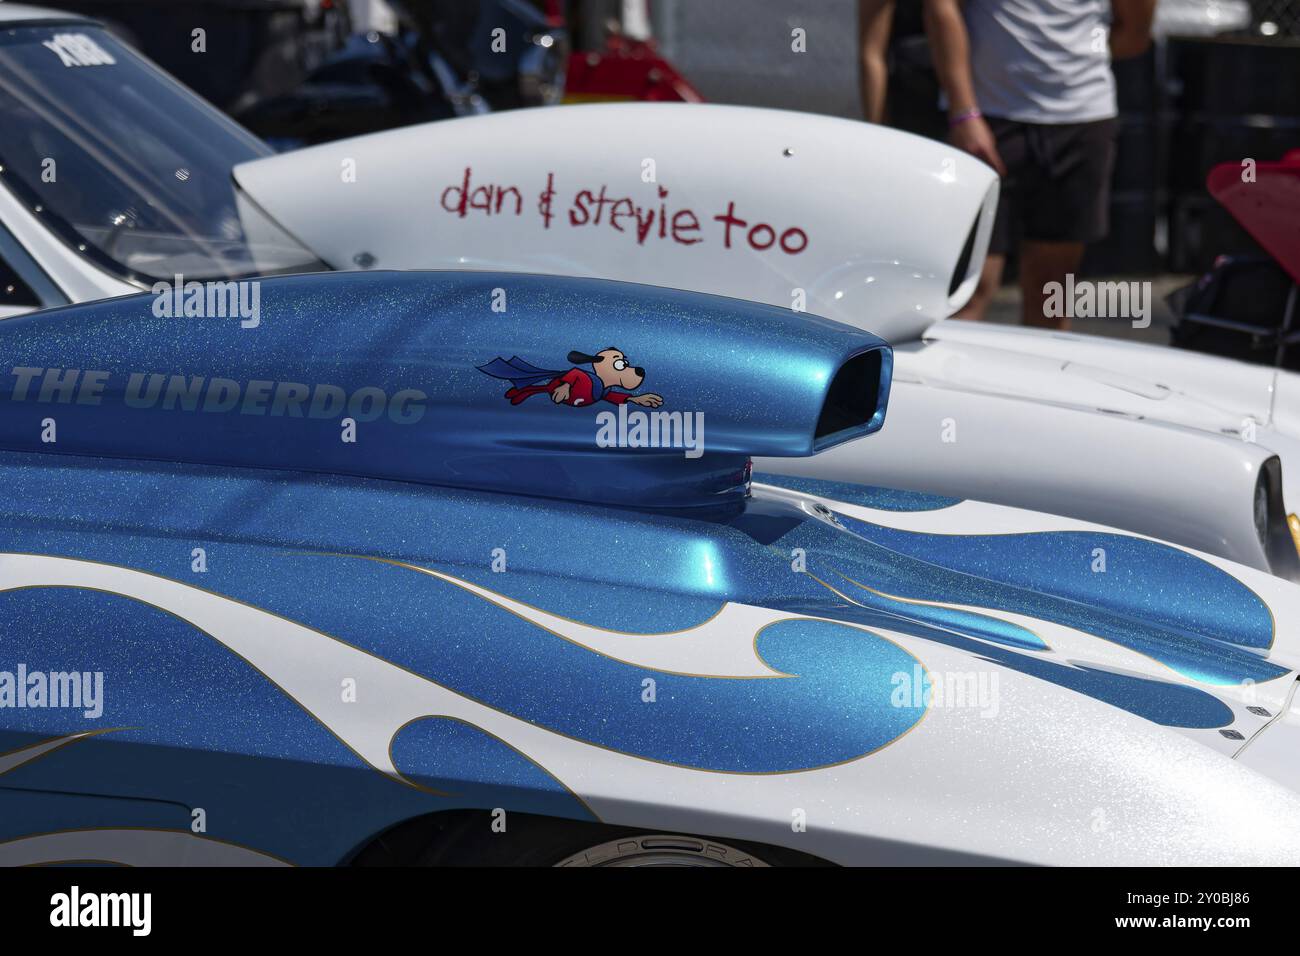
(873, 222)
(1082, 371)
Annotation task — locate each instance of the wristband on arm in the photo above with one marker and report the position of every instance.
(963, 116)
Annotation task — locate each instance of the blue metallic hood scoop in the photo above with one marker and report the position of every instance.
(569, 388)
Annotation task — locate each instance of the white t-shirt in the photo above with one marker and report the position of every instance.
(1041, 61)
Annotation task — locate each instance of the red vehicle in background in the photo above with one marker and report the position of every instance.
(615, 58)
(1248, 306)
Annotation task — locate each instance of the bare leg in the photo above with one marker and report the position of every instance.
(1041, 263)
(874, 20)
(990, 282)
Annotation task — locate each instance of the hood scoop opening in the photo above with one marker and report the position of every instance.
(855, 401)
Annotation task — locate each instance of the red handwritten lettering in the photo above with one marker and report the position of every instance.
(681, 227)
(594, 207)
(462, 190)
(729, 219)
(489, 199)
(545, 200)
(792, 233)
(643, 225)
(621, 208)
(580, 207)
(771, 236)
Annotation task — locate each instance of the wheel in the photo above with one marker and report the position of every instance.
(661, 850)
(470, 838)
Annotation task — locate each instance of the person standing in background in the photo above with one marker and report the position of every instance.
(1030, 92)
(875, 17)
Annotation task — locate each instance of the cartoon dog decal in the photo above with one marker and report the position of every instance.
(612, 379)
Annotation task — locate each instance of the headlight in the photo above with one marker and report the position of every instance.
(1279, 533)
(1261, 510)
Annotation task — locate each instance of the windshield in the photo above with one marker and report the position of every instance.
(128, 166)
